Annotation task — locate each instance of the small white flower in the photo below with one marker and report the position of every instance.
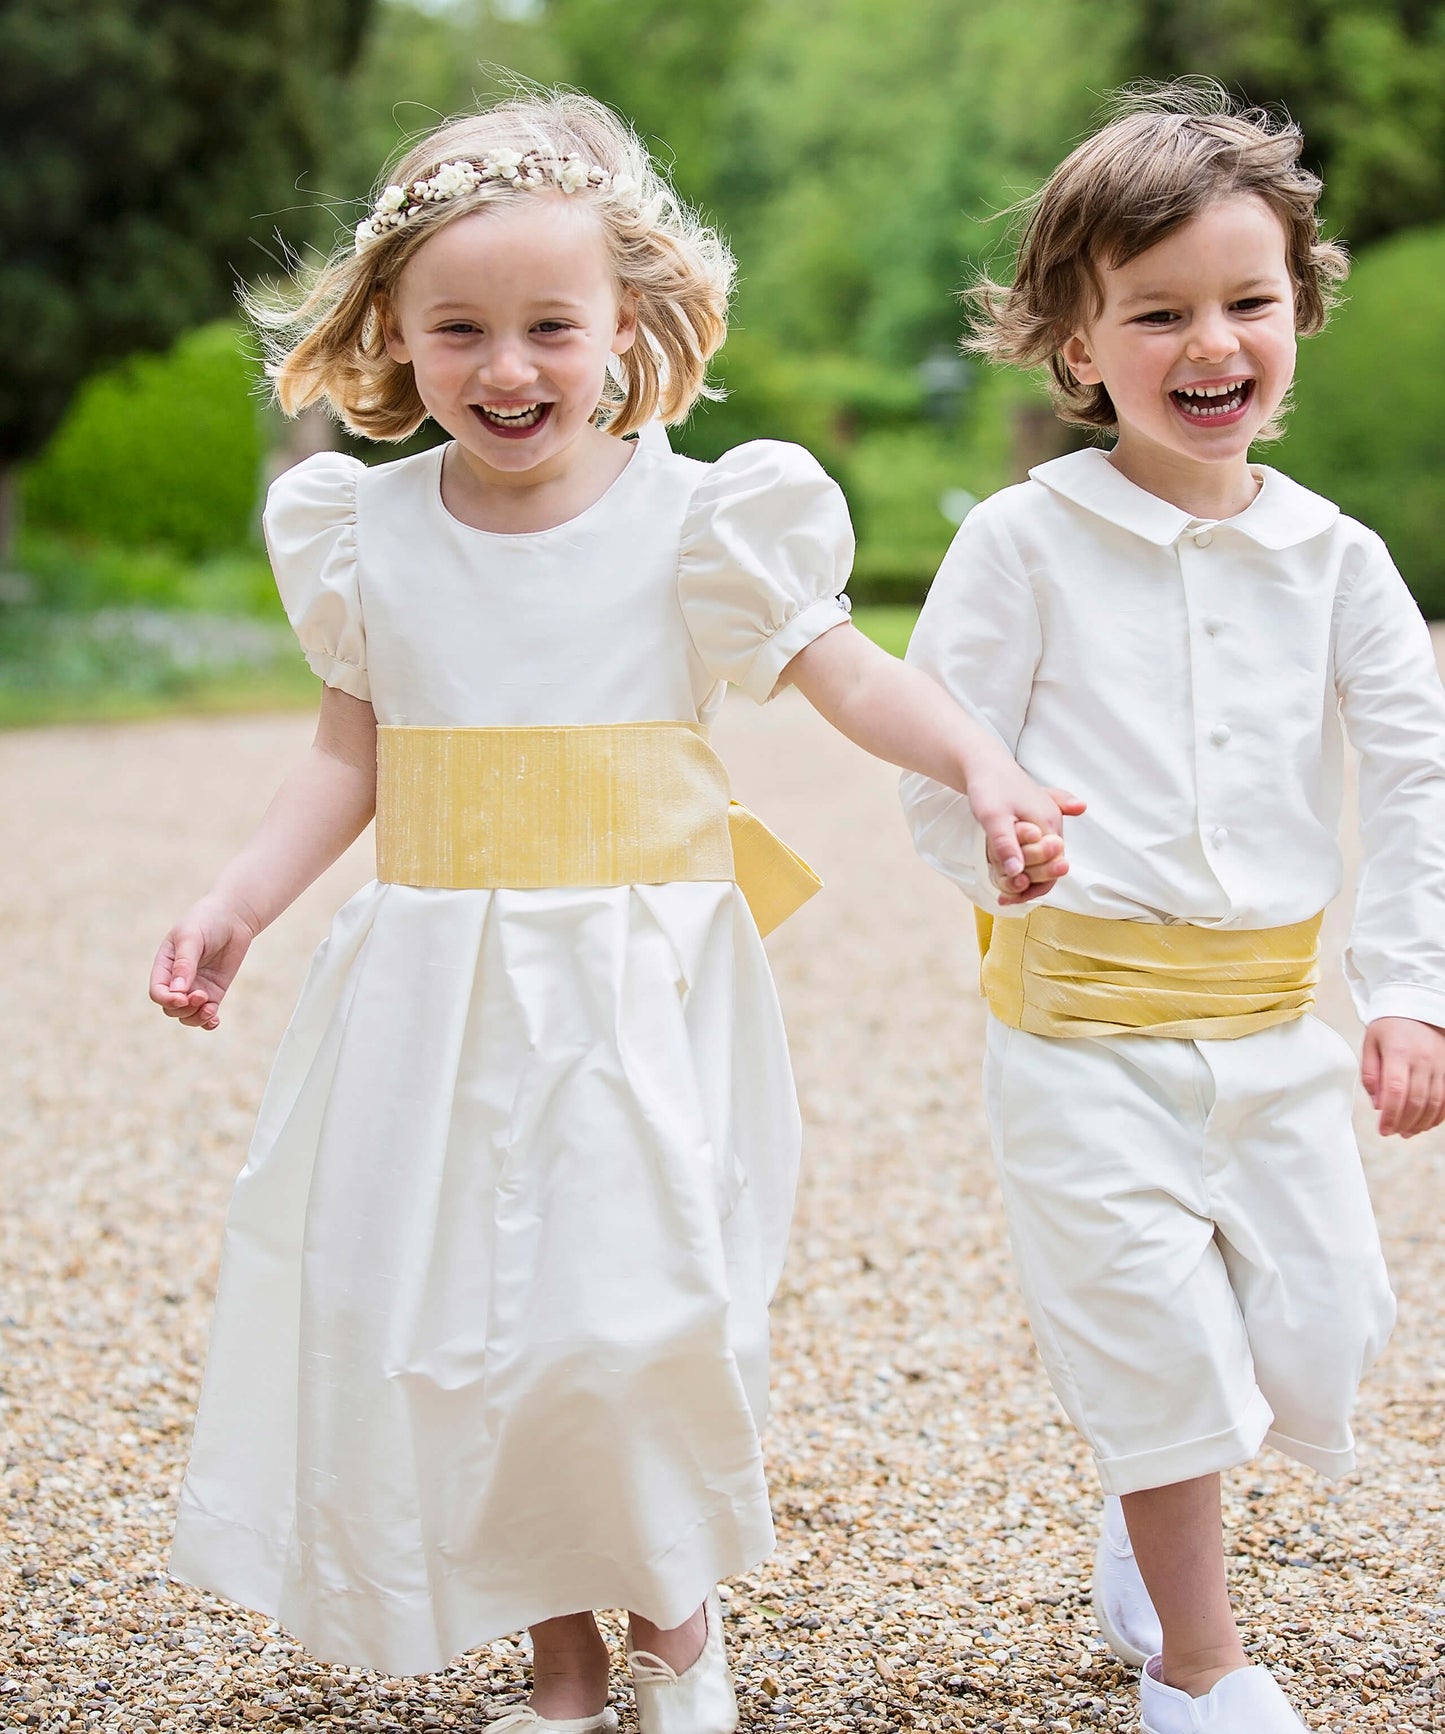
(453, 179)
(392, 199)
(625, 189)
(572, 174)
(365, 235)
(503, 165)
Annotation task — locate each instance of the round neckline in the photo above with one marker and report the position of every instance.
(526, 535)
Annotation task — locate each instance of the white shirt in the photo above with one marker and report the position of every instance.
(1189, 680)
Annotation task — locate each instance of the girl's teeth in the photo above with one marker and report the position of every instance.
(527, 417)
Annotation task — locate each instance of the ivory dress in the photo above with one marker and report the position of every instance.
(491, 1336)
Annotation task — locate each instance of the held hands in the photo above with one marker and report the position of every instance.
(1403, 1071)
(197, 962)
(1023, 824)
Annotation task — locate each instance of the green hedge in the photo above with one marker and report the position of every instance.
(1367, 429)
(162, 452)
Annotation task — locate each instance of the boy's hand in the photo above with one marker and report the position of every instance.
(1403, 1071)
(197, 962)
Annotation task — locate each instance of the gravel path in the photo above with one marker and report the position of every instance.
(935, 1511)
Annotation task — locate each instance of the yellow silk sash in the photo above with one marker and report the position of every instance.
(530, 808)
(1054, 973)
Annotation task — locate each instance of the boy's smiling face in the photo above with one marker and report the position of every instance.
(1195, 344)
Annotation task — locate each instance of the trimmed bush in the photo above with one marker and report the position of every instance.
(160, 452)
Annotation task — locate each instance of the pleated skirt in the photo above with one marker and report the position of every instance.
(491, 1338)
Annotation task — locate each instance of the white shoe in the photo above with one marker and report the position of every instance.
(526, 1718)
(1248, 1701)
(700, 1700)
(1121, 1603)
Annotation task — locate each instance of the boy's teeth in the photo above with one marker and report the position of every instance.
(1199, 399)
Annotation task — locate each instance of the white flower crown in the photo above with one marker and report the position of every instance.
(397, 205)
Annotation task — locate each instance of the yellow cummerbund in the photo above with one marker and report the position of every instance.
(1054, 973)
(470, 809)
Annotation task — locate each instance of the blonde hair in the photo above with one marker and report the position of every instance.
(1166, 153)
(325, 342)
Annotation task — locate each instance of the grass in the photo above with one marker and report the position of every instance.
(117, 664)
(234, 694)
(63, 669)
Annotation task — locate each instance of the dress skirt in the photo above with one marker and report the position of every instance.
(491, 1336)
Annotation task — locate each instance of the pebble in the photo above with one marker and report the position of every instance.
(935, 1512)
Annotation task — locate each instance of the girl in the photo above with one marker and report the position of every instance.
(491, 1340)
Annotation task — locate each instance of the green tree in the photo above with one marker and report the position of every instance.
(149, 144)
(880, 143)
(1364, 78)
(1367, 429)
(668, 67)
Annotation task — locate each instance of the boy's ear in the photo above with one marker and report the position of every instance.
(626, 334)
(1079, 360)
(391, 330)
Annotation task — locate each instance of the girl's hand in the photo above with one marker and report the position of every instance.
(1023, 824)
(197, 962)
(1403, 1071)
(905, 716)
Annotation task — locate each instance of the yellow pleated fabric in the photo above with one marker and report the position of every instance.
(1054, 973)
(468, 809)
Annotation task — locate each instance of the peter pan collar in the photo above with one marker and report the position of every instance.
(1281, 515)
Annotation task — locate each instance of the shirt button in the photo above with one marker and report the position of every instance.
(1202, 538)
(1219, 734)
(1219, 836)
(1212, 624)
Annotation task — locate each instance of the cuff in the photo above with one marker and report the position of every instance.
(345, 675)
(1399, 1000)
(1166, 1464)
(775, 653)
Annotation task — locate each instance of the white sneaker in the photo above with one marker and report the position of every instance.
(526, 1718)
(1248, 1701)
(700, 1700)
(1121, 1603)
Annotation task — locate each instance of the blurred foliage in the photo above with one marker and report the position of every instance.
(862, 156)
(876, 145)
(1364, 78)
(65, 574)
(1367, 429)
(161, 450)
(672, 68)
(142, 139)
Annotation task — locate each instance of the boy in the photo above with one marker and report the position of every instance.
(1180, 633)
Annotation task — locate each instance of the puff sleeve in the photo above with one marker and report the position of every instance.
(310, 526)
(767, 547)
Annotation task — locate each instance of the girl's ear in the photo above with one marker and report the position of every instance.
(391, 336)
(1079, 360)
(626, 333)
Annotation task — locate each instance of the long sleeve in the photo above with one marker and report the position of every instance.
(979, 637)
(1393, 708)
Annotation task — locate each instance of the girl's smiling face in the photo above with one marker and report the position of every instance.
(1195, 344)
(508, 318)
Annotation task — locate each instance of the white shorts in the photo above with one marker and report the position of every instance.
(1195, 1242)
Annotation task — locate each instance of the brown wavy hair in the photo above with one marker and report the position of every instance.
(1166, 152)
(323, 334)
